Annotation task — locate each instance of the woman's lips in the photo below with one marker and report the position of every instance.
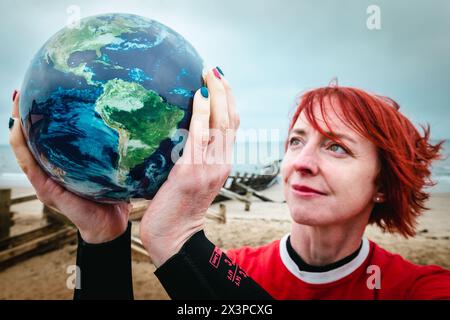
(306, 191)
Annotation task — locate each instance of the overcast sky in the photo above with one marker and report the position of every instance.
(272, 50)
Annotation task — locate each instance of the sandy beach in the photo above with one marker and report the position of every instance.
(44, 276)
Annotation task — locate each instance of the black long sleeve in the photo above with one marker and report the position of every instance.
(202, 271)
(105, 269)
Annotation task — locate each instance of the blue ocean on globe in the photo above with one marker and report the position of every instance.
(102, 105)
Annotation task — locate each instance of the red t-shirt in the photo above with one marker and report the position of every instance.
(373, 274)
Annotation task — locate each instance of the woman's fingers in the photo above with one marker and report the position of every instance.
(214, 123)
(223, 122)
(219, 105)
(198, 138)
(233, 116)
(23, 155)
(15, 106)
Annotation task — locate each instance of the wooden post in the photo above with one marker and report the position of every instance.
(245, 178)
(238, 177)
(220, 216)
(223, 212)
(5, 214)
(247, 203)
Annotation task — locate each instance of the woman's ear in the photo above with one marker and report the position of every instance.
(379, 196)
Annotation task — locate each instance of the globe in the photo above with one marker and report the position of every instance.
(105, 105)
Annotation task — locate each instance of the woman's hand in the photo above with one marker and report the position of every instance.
(96, 222)
(177, 211)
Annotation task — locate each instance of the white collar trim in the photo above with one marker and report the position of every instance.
(328, 276)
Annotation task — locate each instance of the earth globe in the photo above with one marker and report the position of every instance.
(106, 104)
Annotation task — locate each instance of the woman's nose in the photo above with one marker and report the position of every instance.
(306, 162)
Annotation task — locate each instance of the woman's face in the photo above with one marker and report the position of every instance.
(344, 183)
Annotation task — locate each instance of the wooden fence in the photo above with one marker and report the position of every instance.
(58, 230)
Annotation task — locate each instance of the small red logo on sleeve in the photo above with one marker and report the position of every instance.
(215, 257)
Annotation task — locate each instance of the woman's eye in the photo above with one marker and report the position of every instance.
(337, 148)
(294, 141)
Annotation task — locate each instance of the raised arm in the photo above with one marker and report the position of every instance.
(189, 265)
(102, 227)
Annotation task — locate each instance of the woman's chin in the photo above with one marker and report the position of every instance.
(312, 217)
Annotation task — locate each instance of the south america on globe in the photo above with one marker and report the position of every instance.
(103, 104)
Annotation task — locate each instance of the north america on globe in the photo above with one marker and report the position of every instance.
(102, 102)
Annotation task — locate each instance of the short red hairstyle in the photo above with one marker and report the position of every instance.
(405, 155)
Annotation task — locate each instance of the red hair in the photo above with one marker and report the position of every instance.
(405, 155)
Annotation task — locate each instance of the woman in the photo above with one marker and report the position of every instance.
(351, 159)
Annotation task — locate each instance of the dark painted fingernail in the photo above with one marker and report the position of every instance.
(220, 70)
(204, 92)
(11, 123)
(217, 74)
(14, 95)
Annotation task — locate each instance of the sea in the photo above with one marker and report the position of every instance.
(248, 157)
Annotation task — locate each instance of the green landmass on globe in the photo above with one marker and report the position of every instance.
(141, 118)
